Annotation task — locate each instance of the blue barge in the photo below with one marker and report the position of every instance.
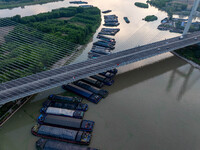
(62, 134)
(73, 106)
(83, 92)
(93, 82)
(66, 122)
(102, 92)
(65, 98)
(107, 81)
(47, 144)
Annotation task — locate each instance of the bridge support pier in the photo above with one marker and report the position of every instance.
(193, 14)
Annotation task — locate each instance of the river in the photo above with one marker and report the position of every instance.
(153, 104)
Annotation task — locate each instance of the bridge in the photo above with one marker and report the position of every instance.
(32, 84)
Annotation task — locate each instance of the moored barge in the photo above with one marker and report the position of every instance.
(47, 144)
(72, 106)
(107, 81)
(62, 134)
(83, 92)
(66, 122)
(102, 92)
(62, 112)
(104, 44)
(93, 82)
(68, 99)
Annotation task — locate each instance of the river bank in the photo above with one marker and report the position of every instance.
(13, 4)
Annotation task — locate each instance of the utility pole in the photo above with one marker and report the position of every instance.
(193, 14)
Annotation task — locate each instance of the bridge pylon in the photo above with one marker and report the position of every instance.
(193, 14)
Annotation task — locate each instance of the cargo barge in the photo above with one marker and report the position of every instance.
(102, 92)
(111, 24)
(72, 106)
(107, 81)
(105, 38)
(66, 122)
(82, 92)
(68, 99)
(109, 31)
(62, 112)
(104, 44)
(62, 134)
(47, 144)
(93, 82)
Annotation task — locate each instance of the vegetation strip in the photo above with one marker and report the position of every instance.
(22, 3)
(141, 5)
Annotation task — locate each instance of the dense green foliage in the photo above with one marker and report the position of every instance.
(77, 29)
(21, 3)
(150, 18)
(191, 53)
(28, 51)
(142, 5)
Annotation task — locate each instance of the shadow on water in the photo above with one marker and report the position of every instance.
(139, 75)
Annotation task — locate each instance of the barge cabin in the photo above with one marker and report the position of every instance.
(62, 134)
(66, 122)
(107, 74)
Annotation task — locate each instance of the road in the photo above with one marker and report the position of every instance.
(22, 87)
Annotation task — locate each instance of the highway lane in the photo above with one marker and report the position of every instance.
(65, 76)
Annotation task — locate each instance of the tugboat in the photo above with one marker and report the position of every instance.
(126, 19)
(94, 82)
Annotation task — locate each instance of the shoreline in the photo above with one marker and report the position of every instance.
(22, 5)
(195, 65)
(4, 120)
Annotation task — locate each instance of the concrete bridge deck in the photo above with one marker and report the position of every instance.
(39, 82)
